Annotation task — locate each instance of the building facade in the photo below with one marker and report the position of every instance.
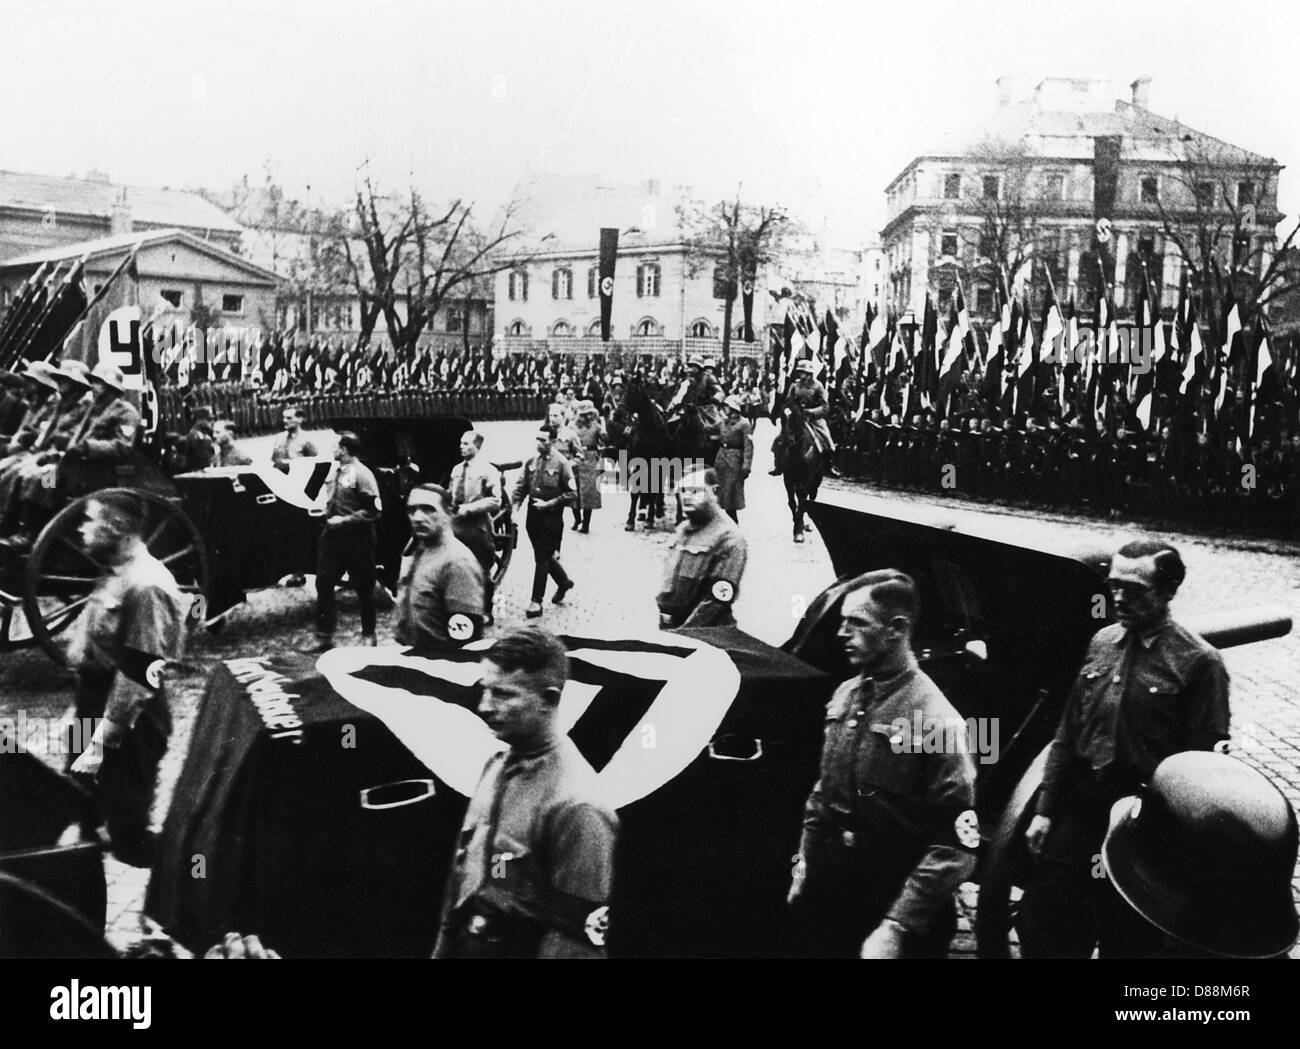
(668, 299)
(1070, 181)
(179, 277)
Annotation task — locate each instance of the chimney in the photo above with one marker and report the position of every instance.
(120, 218)
(1141, 88)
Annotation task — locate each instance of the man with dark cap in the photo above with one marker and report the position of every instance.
(1148, 688)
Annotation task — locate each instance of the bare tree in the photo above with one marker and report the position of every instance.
(1218, 207)
(735, 239)
(400, 252)
(1012, 199)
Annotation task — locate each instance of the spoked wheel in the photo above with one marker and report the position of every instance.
(61, 574)
(1005, 867)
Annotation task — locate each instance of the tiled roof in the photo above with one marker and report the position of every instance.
(77, 196)
(123, 241)
(566, 212)
(1069, 133)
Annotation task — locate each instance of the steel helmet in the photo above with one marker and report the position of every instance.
(1206, 854)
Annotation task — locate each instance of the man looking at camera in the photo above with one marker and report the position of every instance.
(440, 591)
(705, 562)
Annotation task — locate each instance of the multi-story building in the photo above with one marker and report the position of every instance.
(669, 298)
(1070, 180)
(38, 212)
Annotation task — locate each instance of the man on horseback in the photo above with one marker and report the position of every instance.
(699, 389)
(807, 394)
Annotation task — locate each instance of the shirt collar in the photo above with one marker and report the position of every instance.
(523, 760)
(1147, 638)
(884, 686)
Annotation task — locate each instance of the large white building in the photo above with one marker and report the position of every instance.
(1043, 172)
(665, 302)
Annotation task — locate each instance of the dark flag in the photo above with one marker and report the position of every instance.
(608, 257)
(747, 302)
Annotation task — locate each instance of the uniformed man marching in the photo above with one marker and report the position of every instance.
(134, 619)
(475, 487)
(533, 871)
(706, 560)
(547, 482)
(735, 457)
(347, 543)
(890, 832)
(440, 590)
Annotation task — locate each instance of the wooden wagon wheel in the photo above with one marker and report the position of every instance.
(1004, 866)
(60, 573)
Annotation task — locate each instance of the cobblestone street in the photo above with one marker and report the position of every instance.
(617, 574)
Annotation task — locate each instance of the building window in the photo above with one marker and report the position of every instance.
(593, 328)
(701, 330)
(562, 283)
(991, 186)
(562, 330)
(455, 319)
(945, 300)
(646, 328)
(172, 297)
(988, 246)
(518, 290)
(1205, 194)
(1150, 189)
(983, 299)
(1147, 246)
(647, 280)
(1054, 187)
(593, 282)
(232, 304)
(952, 187)
(517, 329)
(1245, 192)
(948, 243)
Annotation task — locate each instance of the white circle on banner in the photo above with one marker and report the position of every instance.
(460, 627)
(1103, 230)
(968, 829)
(607, 286)
(723, 590)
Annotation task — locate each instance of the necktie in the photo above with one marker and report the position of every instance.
(460, 486)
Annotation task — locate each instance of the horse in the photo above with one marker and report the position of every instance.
(801, 462)
(663, 448)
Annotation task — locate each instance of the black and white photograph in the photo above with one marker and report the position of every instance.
(505, 480)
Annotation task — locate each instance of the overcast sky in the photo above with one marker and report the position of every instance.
(816, 105)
